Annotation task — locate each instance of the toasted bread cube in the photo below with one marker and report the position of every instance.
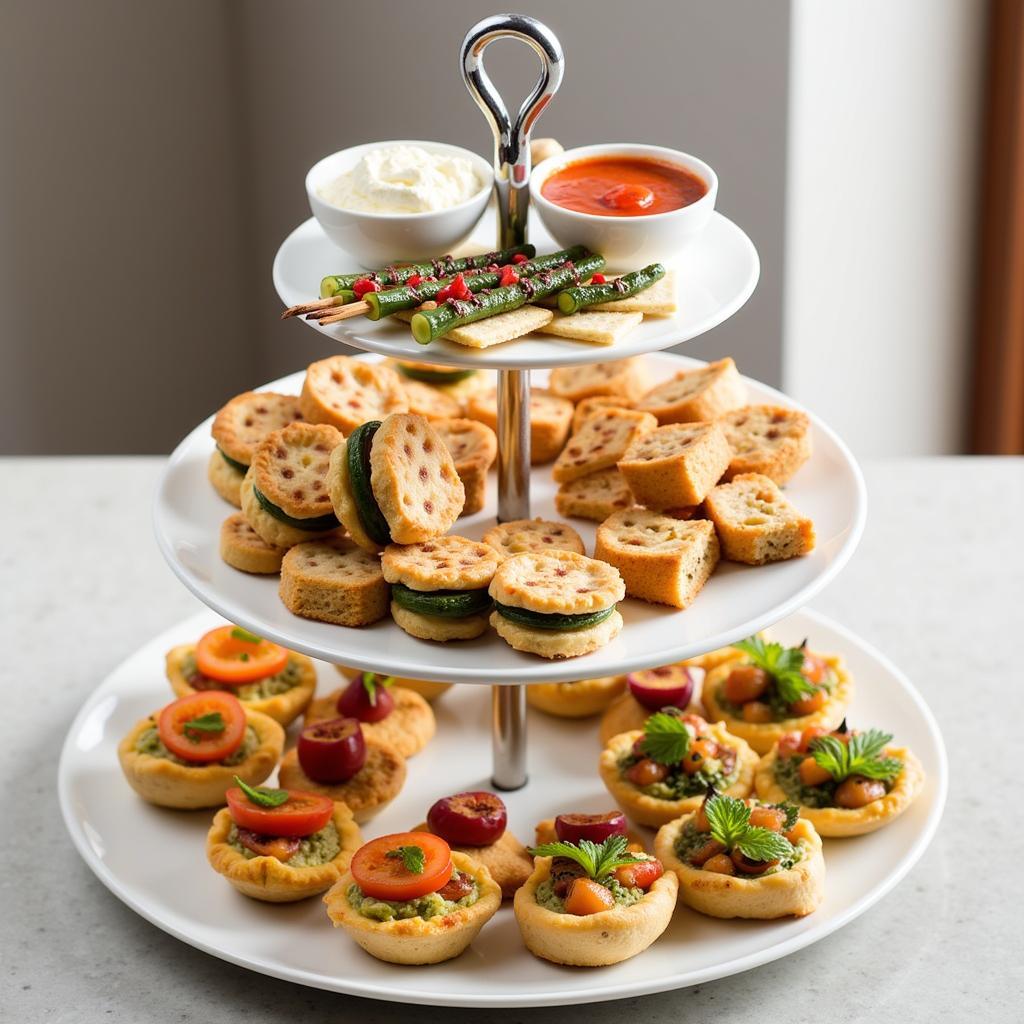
(767, 439)
(695, 395)
(755, 523)
(602, 440)
(662, 559)
(676, 465)
(588, 406)
(625, 377)
(595, 496)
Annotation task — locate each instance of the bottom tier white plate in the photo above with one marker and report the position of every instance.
(154, 860)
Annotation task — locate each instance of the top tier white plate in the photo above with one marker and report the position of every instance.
(715, 276)
(737, 601)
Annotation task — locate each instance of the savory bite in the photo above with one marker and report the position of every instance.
(671, 688)
(394, 482)
(556, 605)
(664, 770)
(693, 395)
(456, 382)
(476, 824)
(624, 378)
(769, 439)
(407, 898)
(739, 858)
(774, 689)
(189, 754)
(578, 699)
(550, 419)
(345, 392)
(593, 903)
(439, 587)
(386, 711)
(595, 496)
(474, 449)
(244, 549)
(264, 676)
(428, 689)
(603, 439)
(281, 845)
(519, 535)
(846, 783)
(429, 402)
(596, 403)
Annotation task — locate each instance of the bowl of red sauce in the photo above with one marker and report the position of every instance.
(632, 203)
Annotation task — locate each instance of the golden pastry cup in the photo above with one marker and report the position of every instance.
(575, 700)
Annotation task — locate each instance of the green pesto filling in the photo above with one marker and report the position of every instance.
(319, 848)
(689, 841)
(624, 896)
(426, 907)
(677, 785)
(271, 686)
(787, 775)
(149, 742)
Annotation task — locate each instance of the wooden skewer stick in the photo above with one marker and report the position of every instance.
(309, 307)
(346, 313)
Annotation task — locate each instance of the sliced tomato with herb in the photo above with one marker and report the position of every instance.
(402, 866)
(278, 812)
(206, 726)
(235, 656)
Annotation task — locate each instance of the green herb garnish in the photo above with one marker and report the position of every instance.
(666, 738)
(783, 664)
(371, 682)
(729, 819)
(245, 636)
(599, 860)
(412, 857)
(261, 795)
(858, 756)
(213, 721)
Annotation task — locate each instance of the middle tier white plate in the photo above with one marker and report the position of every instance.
(737, 601)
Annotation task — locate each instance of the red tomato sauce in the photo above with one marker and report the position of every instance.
(622, 186)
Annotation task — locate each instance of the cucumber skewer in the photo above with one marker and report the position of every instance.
(394, 300)
(444, 266)
(430, 324)
(571, 300)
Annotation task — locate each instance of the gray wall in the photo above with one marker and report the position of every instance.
(155, 155)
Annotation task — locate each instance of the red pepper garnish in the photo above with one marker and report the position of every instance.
(520, 257)
(458, 289)
(492, 268)
(414, 280)
(443, 295)
(364, 285)
(598, 279)
(508, 276)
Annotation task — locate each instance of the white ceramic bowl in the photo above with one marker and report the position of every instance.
(377, 239)
(627, 243)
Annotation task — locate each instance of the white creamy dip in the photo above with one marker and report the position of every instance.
(403, 179)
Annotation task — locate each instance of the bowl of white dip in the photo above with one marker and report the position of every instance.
(388, 202)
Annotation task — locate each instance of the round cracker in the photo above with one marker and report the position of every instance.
(437, 627)
(539, 535)
(290, 468)
(241, 424)
(550, 644)
(225, 479)
(426, 400)
(244, 549)
(472, 443)
(560, 582)
(346, 392)
(445, 563)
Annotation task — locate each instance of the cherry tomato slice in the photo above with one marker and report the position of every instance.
(209, 738)
(301, 814)
(234, 656)
(387, 878)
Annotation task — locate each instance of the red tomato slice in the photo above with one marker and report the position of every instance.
(233, 655)
(209, 738)
(386, 878)
(301, 814)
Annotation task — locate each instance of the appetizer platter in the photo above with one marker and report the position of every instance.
(177, 868)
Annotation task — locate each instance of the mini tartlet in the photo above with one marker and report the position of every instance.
(782, 890)
(579, 699)
(283, 695)
(398, 931)
(676, 687)
(713, 758)
(324, 853)
(167, 780)
(852, 804)
(821, 680)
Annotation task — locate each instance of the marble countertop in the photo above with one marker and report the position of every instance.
(938, 585)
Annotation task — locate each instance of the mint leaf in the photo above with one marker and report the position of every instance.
(728, 817)
(371, 681)
(245, 636)
(666, 738)
(763, 844)
(858, 756)
(412, 857)
(211, 722)
(262, 796)
(783, 664)
(598, 860)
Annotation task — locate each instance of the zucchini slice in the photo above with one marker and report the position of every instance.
(433, 376)
(240, 467)
(446, 604)
(357, 452)
(317, 524)
(554, 622)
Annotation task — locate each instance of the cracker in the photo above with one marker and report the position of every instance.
(225, 479)
(595, 496)
(550, 419)
(474, 449)
(333, 581)
(562, 582)
(601, 442)
(244, 549)
(445, 563)
(427, 400)
(345, 392)
(593, 325)
(550, 644)
(704, 393)
(768, 439)
(588, 406)
(241, 424)
(625, 377)
(439, 627)
(414, 480)
(290, 468)
(273, 531)
(658, 300)
(520, 535)
(344, 502)
(494, 330)
(662, 559)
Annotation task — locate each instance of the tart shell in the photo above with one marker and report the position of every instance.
(409, 727)
(415, 940)
(793, 893)
(575, 700)
(626, 713)
(507, 860)
(650, 810)
(162, 782)
(272, 880)
(839, 822)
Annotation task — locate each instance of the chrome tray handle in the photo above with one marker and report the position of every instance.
(512, 141)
